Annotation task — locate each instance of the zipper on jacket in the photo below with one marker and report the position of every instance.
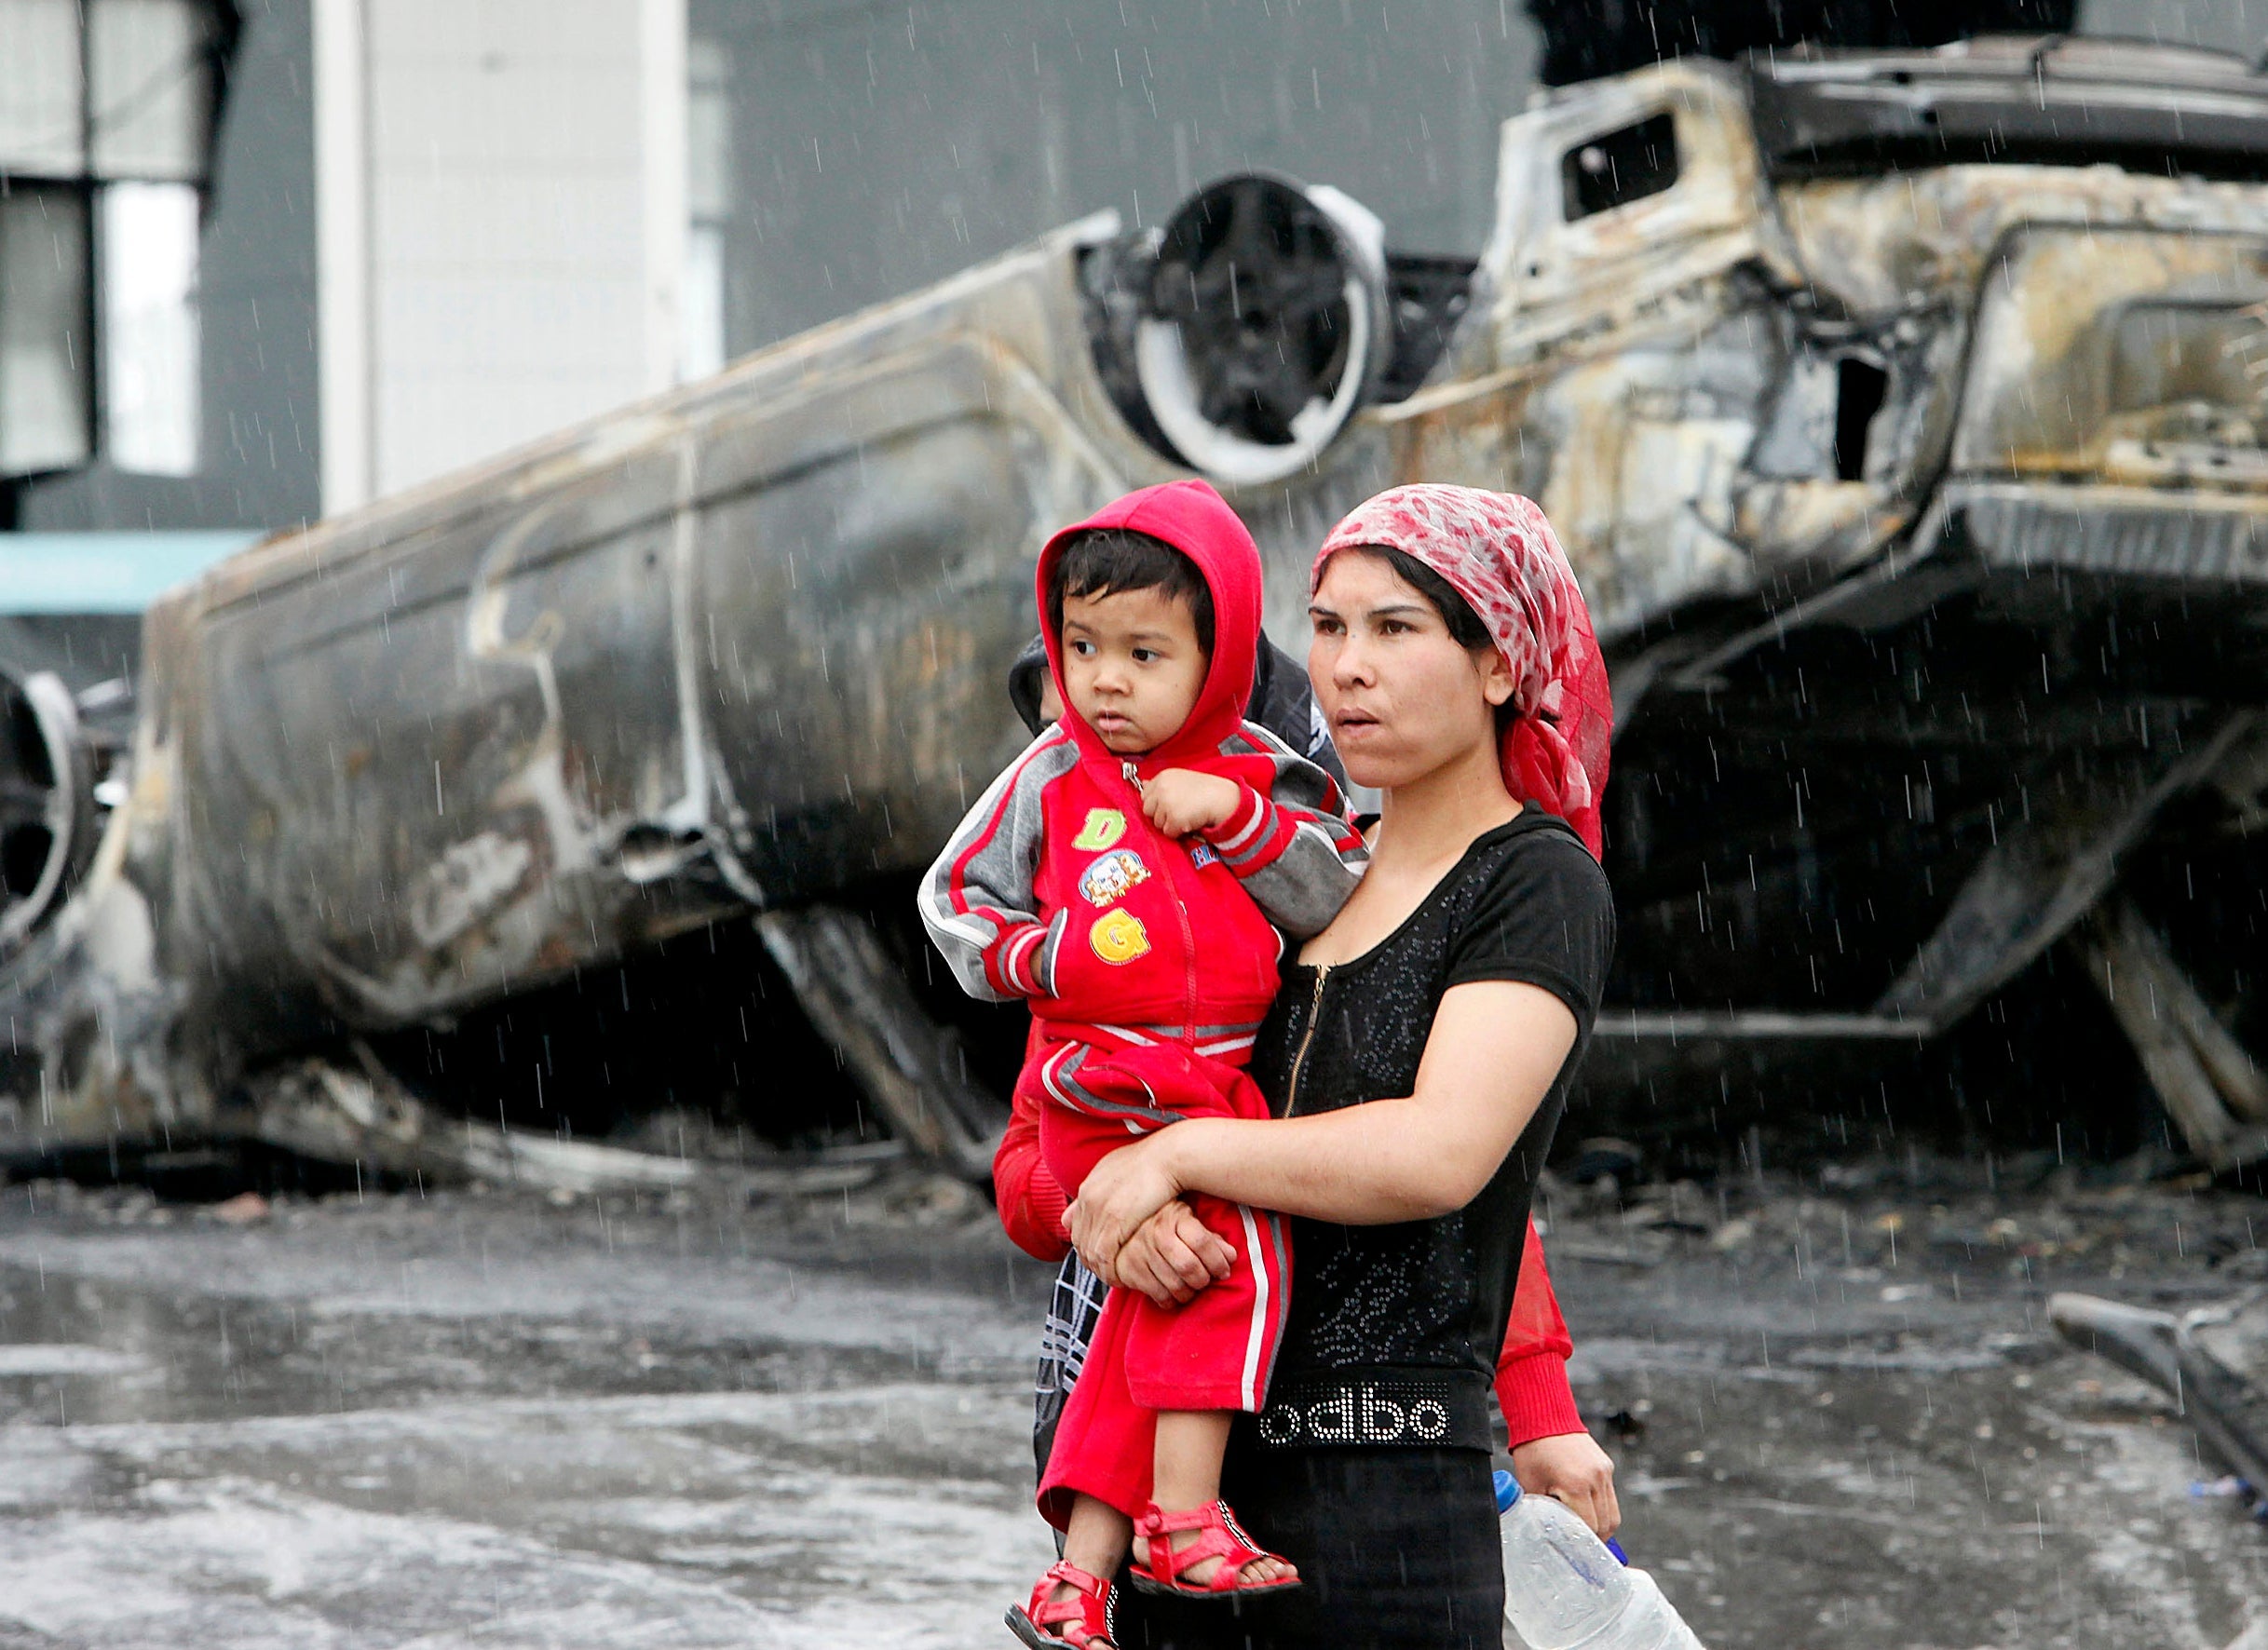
(1171, 858)
(1168, 857)
(1188, 961)
(1291, 1094)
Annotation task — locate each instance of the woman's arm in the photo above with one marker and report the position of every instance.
(1552, 1453)
(1532, 1369)
(1494, 1052)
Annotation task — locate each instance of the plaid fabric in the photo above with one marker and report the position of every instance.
(1076, 1303)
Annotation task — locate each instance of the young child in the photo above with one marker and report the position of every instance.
(1123, 874)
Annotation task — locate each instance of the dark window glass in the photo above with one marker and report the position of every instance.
(1617, 168)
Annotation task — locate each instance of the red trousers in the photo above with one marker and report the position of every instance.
(1215, 1353)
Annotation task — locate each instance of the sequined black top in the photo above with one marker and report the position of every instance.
(1425, 1301)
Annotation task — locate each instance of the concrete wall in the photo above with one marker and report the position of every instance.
(878, 148)
(2224, 25)
(503, 203)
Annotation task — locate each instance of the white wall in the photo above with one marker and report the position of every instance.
(501, 190)
(2224, 25)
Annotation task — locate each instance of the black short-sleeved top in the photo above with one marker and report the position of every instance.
(1419, 1309)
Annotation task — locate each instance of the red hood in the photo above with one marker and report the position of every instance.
(1197, 522)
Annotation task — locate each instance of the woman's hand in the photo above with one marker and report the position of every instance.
(1118, 1194)
(1173, 1255)
(1181, 802)
(1571, 1468)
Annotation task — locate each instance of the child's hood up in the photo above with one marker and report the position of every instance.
(1196, 520)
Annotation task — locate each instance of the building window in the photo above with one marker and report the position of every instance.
(46, 369)
(150, 102)
(149, 326)
(43, 112)
(106, 112)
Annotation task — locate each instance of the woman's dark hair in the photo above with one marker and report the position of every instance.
(1112, 559)
(1465, 625)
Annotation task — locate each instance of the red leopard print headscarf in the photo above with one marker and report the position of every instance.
(1501, 555)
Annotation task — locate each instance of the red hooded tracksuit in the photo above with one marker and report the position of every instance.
(1149, 962)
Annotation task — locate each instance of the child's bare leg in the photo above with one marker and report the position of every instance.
(1096, 1534)
(1188, 1473)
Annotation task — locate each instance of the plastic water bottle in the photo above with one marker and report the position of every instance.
(1563, 1588)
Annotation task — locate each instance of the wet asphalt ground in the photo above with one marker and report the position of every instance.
(490, 1419)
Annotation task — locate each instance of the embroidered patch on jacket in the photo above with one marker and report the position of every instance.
(1112, 876)
(1103, 829)
(1204, 854)
(1119, 937)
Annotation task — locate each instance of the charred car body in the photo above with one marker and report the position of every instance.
(1904, 415)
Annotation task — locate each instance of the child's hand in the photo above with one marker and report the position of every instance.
(1181, 802)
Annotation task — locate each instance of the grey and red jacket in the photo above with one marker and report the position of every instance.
(1054, 888)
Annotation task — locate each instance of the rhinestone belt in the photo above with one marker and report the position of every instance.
(1406, 1408)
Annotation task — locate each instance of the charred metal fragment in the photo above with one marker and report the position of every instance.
(360, 1115)
(1585, 39)
(2210, 1085)
(330, 1112)
(2229, 1412)
(2049, 98)
(2041, 877)
(909, 1066)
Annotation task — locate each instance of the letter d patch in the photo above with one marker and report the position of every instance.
(1104, 827)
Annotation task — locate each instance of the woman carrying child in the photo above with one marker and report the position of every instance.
(1552, 1453)
(1415, 1061)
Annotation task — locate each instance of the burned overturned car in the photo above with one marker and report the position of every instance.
(1904, 415)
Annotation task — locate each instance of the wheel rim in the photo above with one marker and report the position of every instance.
(1264, 326)
(44, 822)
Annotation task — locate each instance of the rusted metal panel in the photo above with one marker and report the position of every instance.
(2123, 355)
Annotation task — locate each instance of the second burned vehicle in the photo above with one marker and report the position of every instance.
(1904, 415)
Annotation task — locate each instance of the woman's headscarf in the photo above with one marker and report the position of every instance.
(1501, 555)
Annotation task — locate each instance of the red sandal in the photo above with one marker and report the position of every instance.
(1223, 1539)
(1084, 1617)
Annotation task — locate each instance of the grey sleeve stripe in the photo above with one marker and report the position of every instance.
(999, 878)
(1298, 783)
(1303, 891)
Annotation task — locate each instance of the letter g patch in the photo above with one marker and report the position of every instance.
(1119, 937)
